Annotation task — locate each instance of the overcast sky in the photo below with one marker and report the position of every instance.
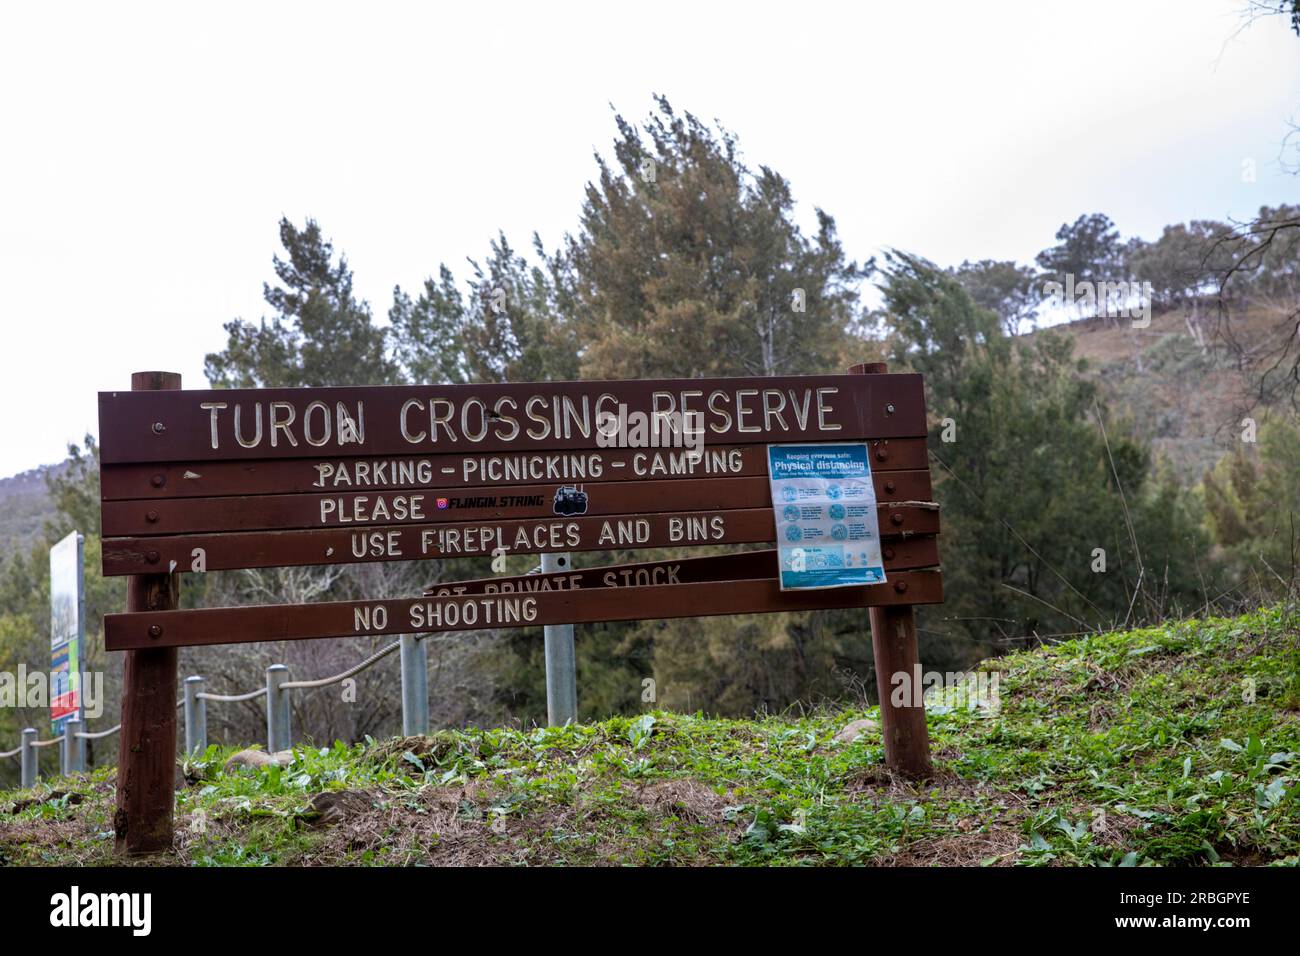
(147, 152)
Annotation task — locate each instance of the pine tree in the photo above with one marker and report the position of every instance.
(321, 335)
(687, 263)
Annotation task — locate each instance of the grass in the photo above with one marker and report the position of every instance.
(1170, 745)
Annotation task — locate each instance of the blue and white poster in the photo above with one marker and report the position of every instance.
(825, 503)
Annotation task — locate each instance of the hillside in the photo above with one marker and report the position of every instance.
(1170, 745)
(25, 506)
(1183, 399)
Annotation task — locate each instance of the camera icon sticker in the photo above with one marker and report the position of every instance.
(570, 500)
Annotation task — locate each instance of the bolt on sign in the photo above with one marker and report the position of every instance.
(196, 481)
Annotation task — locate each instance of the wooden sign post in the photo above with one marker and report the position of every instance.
(146, 752)
(261, 478)
(894, 648)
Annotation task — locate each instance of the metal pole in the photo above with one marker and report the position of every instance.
(196, 716)
(65, 749)
(415, 685)
(78, 745)
(29, 758)
(561, 666)
(277, 709)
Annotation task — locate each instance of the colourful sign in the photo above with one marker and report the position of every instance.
(67, 628)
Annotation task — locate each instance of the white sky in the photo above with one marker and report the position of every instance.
(148, 151)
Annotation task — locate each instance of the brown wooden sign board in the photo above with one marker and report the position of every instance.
(236, 424)
(230, 479)
(270, 549)
(902, 555)
(375, 508)
(231, 625)
(194, 479)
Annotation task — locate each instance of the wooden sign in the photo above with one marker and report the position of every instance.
(222, 480)
(480, 611)
(906, 554)
(338, 475)
(239, 424)
(351, 510)
(416, 542)
(227, 479)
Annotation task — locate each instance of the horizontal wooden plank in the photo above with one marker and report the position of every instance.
(903, 554)
(213, 479)
(236, 424)
(269, 549)
(424, 615)
(285, 512)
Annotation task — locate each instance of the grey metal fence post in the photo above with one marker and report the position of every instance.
(277, 709)
(196, 716)
(65, 747)
(561, 665)
(77, 745)
(415, 685)
(29, 758)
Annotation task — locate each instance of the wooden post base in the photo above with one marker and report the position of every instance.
(146, 754)
(902, 723)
